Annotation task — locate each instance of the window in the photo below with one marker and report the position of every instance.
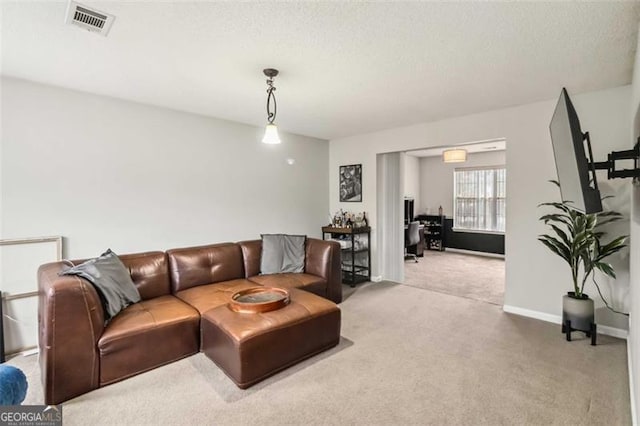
(479, 199)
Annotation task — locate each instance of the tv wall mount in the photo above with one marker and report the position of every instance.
(610, 164)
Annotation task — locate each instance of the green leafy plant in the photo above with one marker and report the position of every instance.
(578, 239)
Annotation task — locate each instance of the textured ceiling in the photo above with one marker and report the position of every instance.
(346, 68)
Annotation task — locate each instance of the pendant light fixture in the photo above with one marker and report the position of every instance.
(271, 131)
(457, 155)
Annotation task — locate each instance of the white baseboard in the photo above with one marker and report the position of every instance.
(532, 314)
(632, 393)
(475, 253)
(28, 352)
(557, 319)
(376, 279)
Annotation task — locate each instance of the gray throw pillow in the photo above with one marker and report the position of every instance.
(111, 280)
(272, 254)
(282, 253)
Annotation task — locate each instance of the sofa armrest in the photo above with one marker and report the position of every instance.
(323, 260)
(70, 322)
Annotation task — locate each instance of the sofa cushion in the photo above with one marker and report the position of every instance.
(282, 253)
(209, 296)
(308, 282)
(194, 266)
(111, 280)
(149, 272)
(146, 335)
(251, 253)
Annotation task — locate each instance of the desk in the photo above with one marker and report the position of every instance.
(417, 249)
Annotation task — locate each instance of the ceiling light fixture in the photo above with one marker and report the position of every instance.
(271, 131)
(457, 155)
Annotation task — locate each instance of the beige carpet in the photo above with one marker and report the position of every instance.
(465, 275)
(408, 356)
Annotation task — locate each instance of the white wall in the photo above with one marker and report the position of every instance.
(412, 180)
(634, 304)
(103, 173)
(436, 179)
(634, 308)
(535, 278)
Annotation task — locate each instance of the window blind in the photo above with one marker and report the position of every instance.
(480, 199)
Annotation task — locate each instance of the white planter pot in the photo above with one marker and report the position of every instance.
(579, 311)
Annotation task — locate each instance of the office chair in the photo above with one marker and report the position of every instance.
(411, 238)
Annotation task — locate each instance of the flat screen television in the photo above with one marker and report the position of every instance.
(576, 171)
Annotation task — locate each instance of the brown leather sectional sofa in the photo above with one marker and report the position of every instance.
(78, 353)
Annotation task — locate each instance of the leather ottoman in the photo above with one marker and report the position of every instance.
(250, 347)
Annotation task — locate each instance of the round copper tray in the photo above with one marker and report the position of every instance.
(259, 299)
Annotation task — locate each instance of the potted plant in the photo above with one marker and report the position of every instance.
(578, 239)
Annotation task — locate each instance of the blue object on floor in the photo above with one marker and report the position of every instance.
(13, 385)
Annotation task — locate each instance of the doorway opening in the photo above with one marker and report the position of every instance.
(459, 209)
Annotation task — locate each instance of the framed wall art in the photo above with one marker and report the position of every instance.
(351, 183)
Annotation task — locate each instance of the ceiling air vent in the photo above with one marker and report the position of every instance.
(88, 18)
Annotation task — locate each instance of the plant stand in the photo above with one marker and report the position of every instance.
(592, 332)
